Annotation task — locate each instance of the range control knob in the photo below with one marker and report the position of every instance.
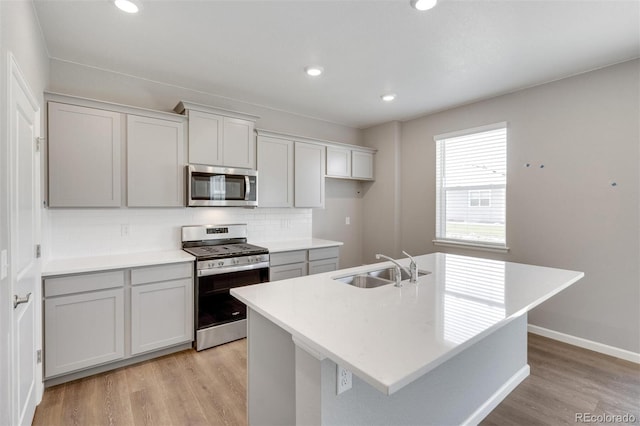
(220, 263)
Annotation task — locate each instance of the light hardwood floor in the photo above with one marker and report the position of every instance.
(209, 388)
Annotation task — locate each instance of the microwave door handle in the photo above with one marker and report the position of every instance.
(247, 186)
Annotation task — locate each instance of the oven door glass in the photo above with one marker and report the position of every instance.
(215, 305)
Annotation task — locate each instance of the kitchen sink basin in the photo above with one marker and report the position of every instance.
(376, 278)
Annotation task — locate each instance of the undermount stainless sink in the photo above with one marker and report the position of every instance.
(376, 278)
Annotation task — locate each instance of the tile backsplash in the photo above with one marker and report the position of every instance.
(95, 232)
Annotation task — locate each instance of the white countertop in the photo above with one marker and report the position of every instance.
(390, 336)
(303, 244)
(116, 261)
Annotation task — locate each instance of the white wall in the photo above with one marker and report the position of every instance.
(20, 35)
(84, 81)
(381, 220)
(95, 232)
(343, 198)
(79, 80)
(585, 131)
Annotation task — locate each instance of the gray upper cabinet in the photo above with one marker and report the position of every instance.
(349, 163)
(362, 165)
(109, 155)
(238, 143)
(205, 138)
(84, 148)
(275, 167)
(309, 165)
(155, 162)
(219, 137)
(338, 162)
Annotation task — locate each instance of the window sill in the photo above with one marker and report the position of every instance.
(471, 246)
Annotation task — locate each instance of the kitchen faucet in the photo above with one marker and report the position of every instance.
(413, 269)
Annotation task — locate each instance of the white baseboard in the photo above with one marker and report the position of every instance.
(584, 343)
(495, 399)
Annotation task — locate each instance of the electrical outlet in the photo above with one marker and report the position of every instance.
(345, 380)
(347, 220)
(124, 230)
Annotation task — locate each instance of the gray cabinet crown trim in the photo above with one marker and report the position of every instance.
(272, 134)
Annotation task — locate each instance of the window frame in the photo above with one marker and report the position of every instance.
(441, 192)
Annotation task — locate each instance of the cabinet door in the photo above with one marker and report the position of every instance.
(275, 169)
(309, 171)
(205, 138)
(161, 315)
(84, 156)
(83, 330)
(239, 146)
(338, 162)
(362, 165)
(155, 162)
(325, 265)
(284, 272)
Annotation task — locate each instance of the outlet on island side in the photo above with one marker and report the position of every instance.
(344, 379)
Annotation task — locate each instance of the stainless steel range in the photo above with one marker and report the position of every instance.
(224, 260)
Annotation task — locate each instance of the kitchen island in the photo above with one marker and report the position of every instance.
(444, 350)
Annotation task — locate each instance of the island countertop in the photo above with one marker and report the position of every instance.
(390, 336)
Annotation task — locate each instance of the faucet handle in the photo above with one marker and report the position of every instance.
(413, 267)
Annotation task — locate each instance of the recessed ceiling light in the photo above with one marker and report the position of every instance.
(388, 97)
(128, 6)
(314, 71)
(423, 4)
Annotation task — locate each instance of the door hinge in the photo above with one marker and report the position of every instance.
(39, 356)
(39, 141)
(38, 251)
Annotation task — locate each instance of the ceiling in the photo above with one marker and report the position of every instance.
(255, 51)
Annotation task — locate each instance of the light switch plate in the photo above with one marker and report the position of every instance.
(4, 264)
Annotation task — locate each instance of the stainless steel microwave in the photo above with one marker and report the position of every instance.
(221, 187)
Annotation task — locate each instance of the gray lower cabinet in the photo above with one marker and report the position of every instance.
(298, 263)
(83, 321)
(161, 312)
(94, 319)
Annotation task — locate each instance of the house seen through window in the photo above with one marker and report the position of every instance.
(471, 183)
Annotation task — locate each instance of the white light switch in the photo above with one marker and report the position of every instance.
(4, 264)
(347, 220)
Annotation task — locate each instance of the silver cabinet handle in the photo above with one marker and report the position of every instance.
(19, 300)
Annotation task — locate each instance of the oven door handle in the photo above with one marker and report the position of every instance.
(229, 269)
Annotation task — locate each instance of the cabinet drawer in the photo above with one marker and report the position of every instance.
(284, 272)
(81, 283)
(323, 253)
(161, 273)
(287, 257)
(325, 265)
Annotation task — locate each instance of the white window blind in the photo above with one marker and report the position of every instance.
(471, 182)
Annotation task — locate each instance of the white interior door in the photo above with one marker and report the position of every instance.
(24, 128)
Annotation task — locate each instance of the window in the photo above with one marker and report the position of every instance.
(471, 183)
(479, 198)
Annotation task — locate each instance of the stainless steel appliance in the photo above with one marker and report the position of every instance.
(221, 187)
(224, 260)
